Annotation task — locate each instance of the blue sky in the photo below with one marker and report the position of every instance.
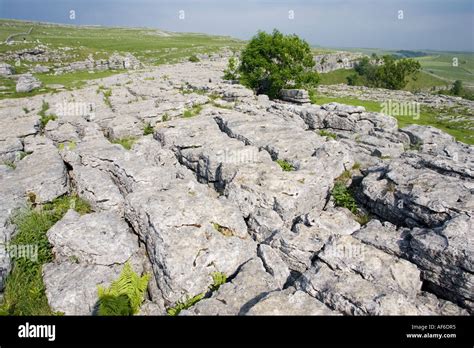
(427, 24)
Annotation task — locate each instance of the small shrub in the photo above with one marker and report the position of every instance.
(343, 197)
(194, 59)
(45, 118)
(165, 117)
(356, 166)
(25, 109)
(325, 133)
(125, 294)
(107, 94)
(231, 72)
(287, 167)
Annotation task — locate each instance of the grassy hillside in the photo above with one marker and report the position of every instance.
(437, 67)
(441, 66)
(76, 43)
(151, 46)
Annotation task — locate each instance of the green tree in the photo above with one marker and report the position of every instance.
(271, 62)
(367, 72)
(353, 80)
(394, 74)
(457, 88)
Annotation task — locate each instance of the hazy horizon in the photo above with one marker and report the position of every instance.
(438, 25)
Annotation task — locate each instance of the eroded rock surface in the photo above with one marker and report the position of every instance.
(237, 184)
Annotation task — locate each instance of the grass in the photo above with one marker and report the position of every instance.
(165, 117)
(440, 64)
(148, 129)
(194, 111)
(150, 46)
(450, 120)
(126, 142)
(222, 229)
(285, 166)
(24, 289)
(75, 79)
(326, 133)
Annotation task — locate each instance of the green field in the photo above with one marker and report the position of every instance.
(441, 65)
(151, 46)
(424, 80)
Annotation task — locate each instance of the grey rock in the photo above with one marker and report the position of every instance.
(274, 264)
(299, 96)
(6, 69)
(27, 83)
(98, 189)
(186, 241)
(97, 238)
(40, 69)
(290, 302)
(351, 294)
(72, 288)
(237, 297)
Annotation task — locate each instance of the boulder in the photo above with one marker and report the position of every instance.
(299, 96)
(27, 83)
(6, 69)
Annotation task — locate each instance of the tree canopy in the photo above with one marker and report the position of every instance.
(271, 62)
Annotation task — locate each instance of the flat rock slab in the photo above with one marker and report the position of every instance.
(97, 238)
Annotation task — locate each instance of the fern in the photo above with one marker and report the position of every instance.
(218, 278)
(187, 303)
(125, 294)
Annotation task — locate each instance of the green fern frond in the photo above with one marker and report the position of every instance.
(125, 294)
(218, 278)
(185, 304)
